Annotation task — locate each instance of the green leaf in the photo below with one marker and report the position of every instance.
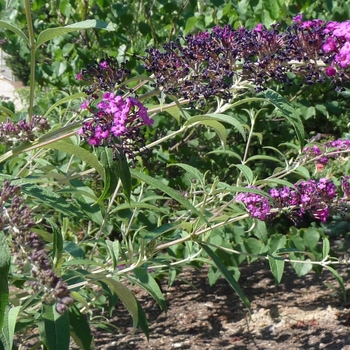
(78, 151)
(190, 23)
(302, 269)
(277, 267)
(325, 247)
(8, 330)
(311, 237)
(192, 171)
(123, 172)
(86, 198)
(74, 250)
(51, 33)
(51, 141)
(57, 245)
(272, 8)
(49, 198)
(226, 119)
(129, 301)
(146, 281)
(168, 190)
(218, 127)
(80, 329)
(338, 278)
(298, 243)
(288, 111)
(277, 241)
(303, 172)
(263, 157)
(260, 231)
(15, 30)
(54, 328)
(247, 172)
(64, 100)
(273, 182)
(227, 274)
(114, 170)
(7, 111)
(253, 246)
(226, 152)
(113, 247)
(5, 261)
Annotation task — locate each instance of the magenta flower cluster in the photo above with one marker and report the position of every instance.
(312, 197)
(257, 205)
(338, 43)
(328, 150)
(114, 121)
(114, 117)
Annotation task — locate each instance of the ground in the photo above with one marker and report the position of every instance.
(300, 313)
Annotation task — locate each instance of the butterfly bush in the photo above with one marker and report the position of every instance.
(113, 120)
(210, 63)
(28, 249)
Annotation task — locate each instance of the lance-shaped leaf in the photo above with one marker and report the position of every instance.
(8, 329)
(54, 328)
(227, 274)
(5, 259)
(14, 29)
(288, 111)
(51, 33)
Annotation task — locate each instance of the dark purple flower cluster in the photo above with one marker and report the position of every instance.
(209, 63)
(114, 121)
(312, 197)
(333, 148)
(29, 249)
(106, 76)
(22, 131)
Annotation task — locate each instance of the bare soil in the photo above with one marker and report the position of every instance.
(300, 313)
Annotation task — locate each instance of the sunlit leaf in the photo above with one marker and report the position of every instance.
(129, 301)
(277, 267)
(325, 247)
(64, 100)
(339, 279)
(246, 171)
(288, 111)
(8, 329)
(168, 190)
(51, 33)
(14, 29)
(5, 260)
(54, 328)
(80, 329)
(146, 281)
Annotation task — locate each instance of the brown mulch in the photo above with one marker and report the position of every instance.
(300, 313)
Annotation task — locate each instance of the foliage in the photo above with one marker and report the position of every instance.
(139, 175)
